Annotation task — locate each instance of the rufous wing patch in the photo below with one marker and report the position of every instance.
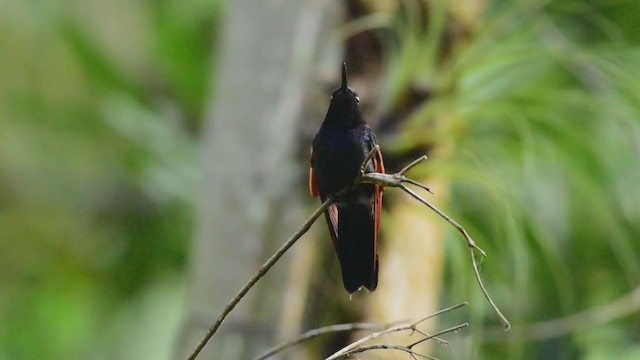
(313, 183)
(378, 166)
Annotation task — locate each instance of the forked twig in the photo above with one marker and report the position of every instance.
(312, 334)
(413, 354)
(445, 331)
(390, 180)
(406, 348)
(410, 327)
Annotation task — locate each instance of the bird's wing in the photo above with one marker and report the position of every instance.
(332, 211)
(378, 166)
(313, 183)
(332, 220)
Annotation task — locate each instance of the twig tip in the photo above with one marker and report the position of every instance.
(507, 326)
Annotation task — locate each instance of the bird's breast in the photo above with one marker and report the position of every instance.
(338, 156)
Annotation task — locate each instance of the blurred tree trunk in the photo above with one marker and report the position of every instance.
(251, 201)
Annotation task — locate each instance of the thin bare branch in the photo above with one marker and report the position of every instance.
(355, 345)
(367, 159)
(391, 180)
(505, 322)
(413, 182)
(462, 230)
(349, 349)
(261, 272)
(439, 312)
(311, 334)
(409, 351)
(471, 244)
(412, 164)
(406, 348)
(445, 331)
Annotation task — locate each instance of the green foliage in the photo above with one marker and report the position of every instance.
(100, 104)
(535, 123)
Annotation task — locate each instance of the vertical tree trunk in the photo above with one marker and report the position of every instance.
(251, 200)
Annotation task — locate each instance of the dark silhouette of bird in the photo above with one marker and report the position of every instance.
(339, 148)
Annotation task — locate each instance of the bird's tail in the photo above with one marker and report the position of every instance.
(356, 247)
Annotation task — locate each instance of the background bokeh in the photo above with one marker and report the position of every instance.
(529, 111)
(100, 108)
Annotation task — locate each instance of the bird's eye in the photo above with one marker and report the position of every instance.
(331, 98)
(357, 99)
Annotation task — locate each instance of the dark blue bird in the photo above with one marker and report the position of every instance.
(338, 150)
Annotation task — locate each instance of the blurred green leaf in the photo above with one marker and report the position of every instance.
(534, 123)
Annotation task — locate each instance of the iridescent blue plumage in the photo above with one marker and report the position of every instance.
(339, 148)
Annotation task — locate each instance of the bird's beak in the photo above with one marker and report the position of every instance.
(344, 76)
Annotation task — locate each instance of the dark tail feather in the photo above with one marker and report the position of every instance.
(356, 247)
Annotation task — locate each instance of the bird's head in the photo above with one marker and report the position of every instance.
(344, 102)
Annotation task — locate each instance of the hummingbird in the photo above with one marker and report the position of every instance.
(337, 153)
